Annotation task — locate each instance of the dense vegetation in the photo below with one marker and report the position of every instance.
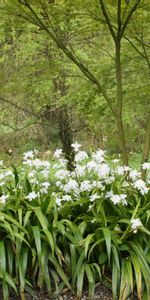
(75, 70)
(70, 228)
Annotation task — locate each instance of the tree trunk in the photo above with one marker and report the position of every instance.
(63, 118)
(119, 119)
(121, 141)
(146, 148)
(66, 137)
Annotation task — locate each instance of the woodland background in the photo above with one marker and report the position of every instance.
(75, 70)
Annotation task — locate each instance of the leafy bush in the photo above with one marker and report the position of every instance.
(72, 229)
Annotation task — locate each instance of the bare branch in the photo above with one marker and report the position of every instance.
(129, 16)
(18, 107)
(119, 17)
(71, 56)
(107, 19)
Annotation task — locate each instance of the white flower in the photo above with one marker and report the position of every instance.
(66, 198)
(126, 168)
(32, 196)
(109, 194)
(32, 174)
(37, 163)
(123, 199)
(45, 184)
(34, 181)
(115, 199)
(45, 173)
(146, 166)
(3, 198)
(58, 201)
(136, 223)
(103, 170)
(80, 170)
(2, 176)
(58, 153)
(118, 199)
(43, 190)
(91, 165)
(56, 166)
(110, 179)
(62, 162)
(98, 156)
(28, 155)
(97, 184)
(76, 146)
(94, 197)
(119, 170)
(8, 173)
(59, 184)
(46, 164)
(85, 186)
(71, 186)
(28, 162)
(141, 186)
(44, 187)
(134, 175)
(62, 174)
(81, 155)
(116, 161)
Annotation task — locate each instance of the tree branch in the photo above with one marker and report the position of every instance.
(129, 16)
(70, 55)
(19, 107)
(107, 19)
(119, 17)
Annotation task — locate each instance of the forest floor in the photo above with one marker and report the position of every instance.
(101, 293)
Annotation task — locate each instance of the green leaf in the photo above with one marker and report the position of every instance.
(60, 271)
(102, 258)
(42, 219)
(107, 237)
(16, 175)
(89, 273)
(115, 280)
(28, 186)
(37, 239)
(138, 275)
(80, 278)
(50, 239)
(2, 257)
(78, 266)
(23, 262)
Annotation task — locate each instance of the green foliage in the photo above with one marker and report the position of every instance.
(70, 229)
(31, 62)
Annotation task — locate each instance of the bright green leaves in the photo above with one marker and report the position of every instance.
(7, 280)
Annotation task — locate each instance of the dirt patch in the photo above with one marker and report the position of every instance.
(101, 293)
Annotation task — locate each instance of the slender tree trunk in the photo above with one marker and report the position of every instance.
(121, 141)
(119, 119)
(63, 118)
(146, 147)
(66, 137)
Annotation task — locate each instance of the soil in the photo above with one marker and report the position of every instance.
(101, 293)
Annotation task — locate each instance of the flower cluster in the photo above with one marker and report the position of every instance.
(93, 178)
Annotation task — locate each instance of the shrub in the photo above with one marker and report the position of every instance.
(62, 228)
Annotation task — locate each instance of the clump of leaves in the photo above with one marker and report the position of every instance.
(62, 228)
